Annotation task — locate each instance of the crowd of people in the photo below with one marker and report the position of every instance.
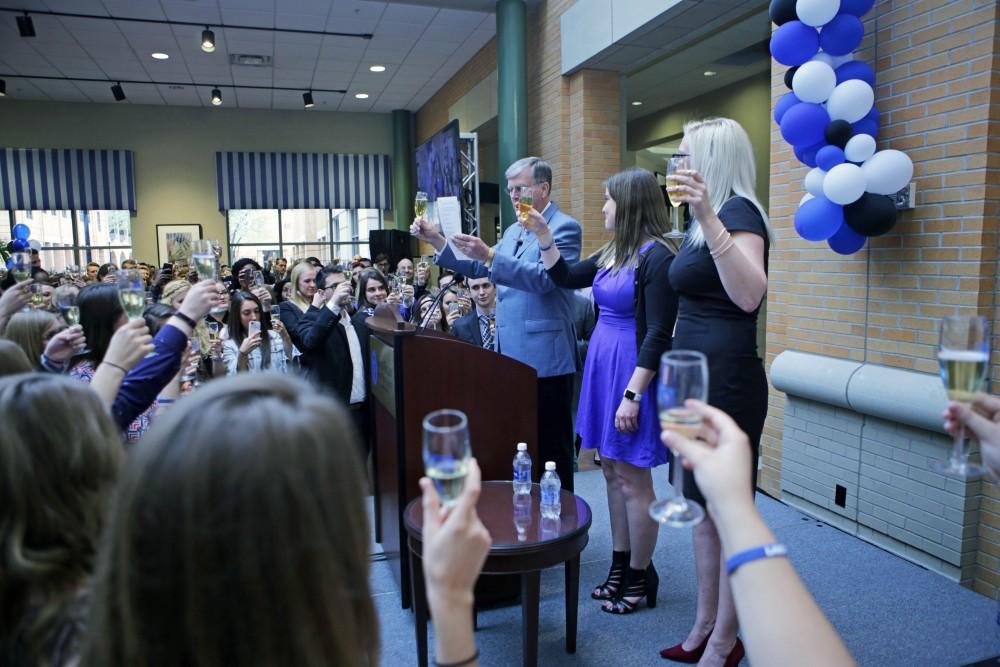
(138, 526)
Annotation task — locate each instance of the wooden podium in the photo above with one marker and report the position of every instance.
(416, 372)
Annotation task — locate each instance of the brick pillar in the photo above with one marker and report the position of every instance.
(936, 64)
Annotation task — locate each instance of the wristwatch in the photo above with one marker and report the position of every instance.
(632, 396)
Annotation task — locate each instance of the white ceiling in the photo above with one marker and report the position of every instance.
(421, 47)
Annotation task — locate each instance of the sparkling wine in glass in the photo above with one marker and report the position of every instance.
(447, 452)
(525, 202)
(683, 376)
(964, 358)
(20, 266)
(675, 163)
(205, 262)
(131, 292)
(420, 204)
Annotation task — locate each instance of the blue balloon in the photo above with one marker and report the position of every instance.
(819, 219)
(869, 124)
(856, 69)
(829, 157)
(787, 101)
(841, 35)
(804, 124)
(794, 43)
(20, 245)
(807, 154)
(21, 231)
(846, 241)
(856, 7)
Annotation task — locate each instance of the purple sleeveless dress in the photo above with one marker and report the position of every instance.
(610, 363)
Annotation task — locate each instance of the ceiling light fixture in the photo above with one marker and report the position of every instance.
(710, 72)
(361, 96)
(25, 25)
(159, 56)
(216, 97)
(207, 40)
(637, 103)
(377, 68)
(307, 100)
(118, 92)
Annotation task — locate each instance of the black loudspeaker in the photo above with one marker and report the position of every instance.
(489, 193)
(395, 243)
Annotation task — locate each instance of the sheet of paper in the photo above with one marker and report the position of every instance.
(450, 218)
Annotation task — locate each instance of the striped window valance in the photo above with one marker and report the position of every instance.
(303, 180)
(53, 179)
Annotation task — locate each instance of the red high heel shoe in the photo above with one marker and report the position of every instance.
(736, 654)
(679, 654)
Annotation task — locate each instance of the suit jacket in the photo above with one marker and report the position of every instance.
(467, 328)
(534, 317)
(323, 342)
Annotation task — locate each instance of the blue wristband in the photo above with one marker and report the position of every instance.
(756, 553)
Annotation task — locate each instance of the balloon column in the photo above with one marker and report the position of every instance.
(22, 241)
(831, 121)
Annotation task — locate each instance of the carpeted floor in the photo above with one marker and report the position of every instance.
(889, 611)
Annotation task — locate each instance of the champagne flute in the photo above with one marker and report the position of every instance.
(20, 266)
(964, 358)
(37, 296)
(683, 375)
(205, 262)
(525, 202)
(420, 204)
(447, 452)
(675, 163)
(131, 292)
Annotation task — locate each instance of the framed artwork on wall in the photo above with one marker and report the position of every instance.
(174, 242)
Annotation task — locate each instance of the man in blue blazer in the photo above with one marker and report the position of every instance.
(534, 317)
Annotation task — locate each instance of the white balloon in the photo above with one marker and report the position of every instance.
(887, 172)
(814, 81)
(35, 244)
(814, 181)
(817, 12)
(806, 197)
(860, 147)
(844, 184)
(824, 58)
(841, 60)
(850, 101)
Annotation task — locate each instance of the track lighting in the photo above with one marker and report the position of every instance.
(3, 88)
(207, 40)
(25, 25)
(307, 100)
(216, 97)
(118, 92)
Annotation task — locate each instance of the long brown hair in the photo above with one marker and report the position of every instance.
(13, 360)
(28, 330)
(58, 463)
(640, 216)
(238, 536)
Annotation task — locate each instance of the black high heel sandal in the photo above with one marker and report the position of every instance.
(638, 584)
(609, 589)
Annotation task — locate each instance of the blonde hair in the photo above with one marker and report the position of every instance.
(175, 291)
(298, 298)
(13, 360)
(27, 329)
(721, 150)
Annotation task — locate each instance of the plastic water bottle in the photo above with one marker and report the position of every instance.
(522, 469)
(551, 486)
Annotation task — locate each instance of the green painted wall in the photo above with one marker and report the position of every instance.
(175, 149)
(748, 102)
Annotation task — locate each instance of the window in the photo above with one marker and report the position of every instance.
(77, 237)
(327, 234)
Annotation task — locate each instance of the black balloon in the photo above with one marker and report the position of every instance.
(871, 215)
(789, 75)
(838, 133)
(10, 246)
(782, 11)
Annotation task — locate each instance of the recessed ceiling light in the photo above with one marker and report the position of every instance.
(160, 56)
(637, 103)
(710, 72)
(361, 96)
(377, 68)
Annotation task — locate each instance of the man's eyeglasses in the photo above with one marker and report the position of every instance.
(518, 188)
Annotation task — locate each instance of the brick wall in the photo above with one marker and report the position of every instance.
(937, 75)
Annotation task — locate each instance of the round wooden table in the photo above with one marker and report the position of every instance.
(523, 543)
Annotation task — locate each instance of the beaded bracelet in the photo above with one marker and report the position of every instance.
(121, 368)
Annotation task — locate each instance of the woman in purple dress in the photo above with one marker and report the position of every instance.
(617, 413)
